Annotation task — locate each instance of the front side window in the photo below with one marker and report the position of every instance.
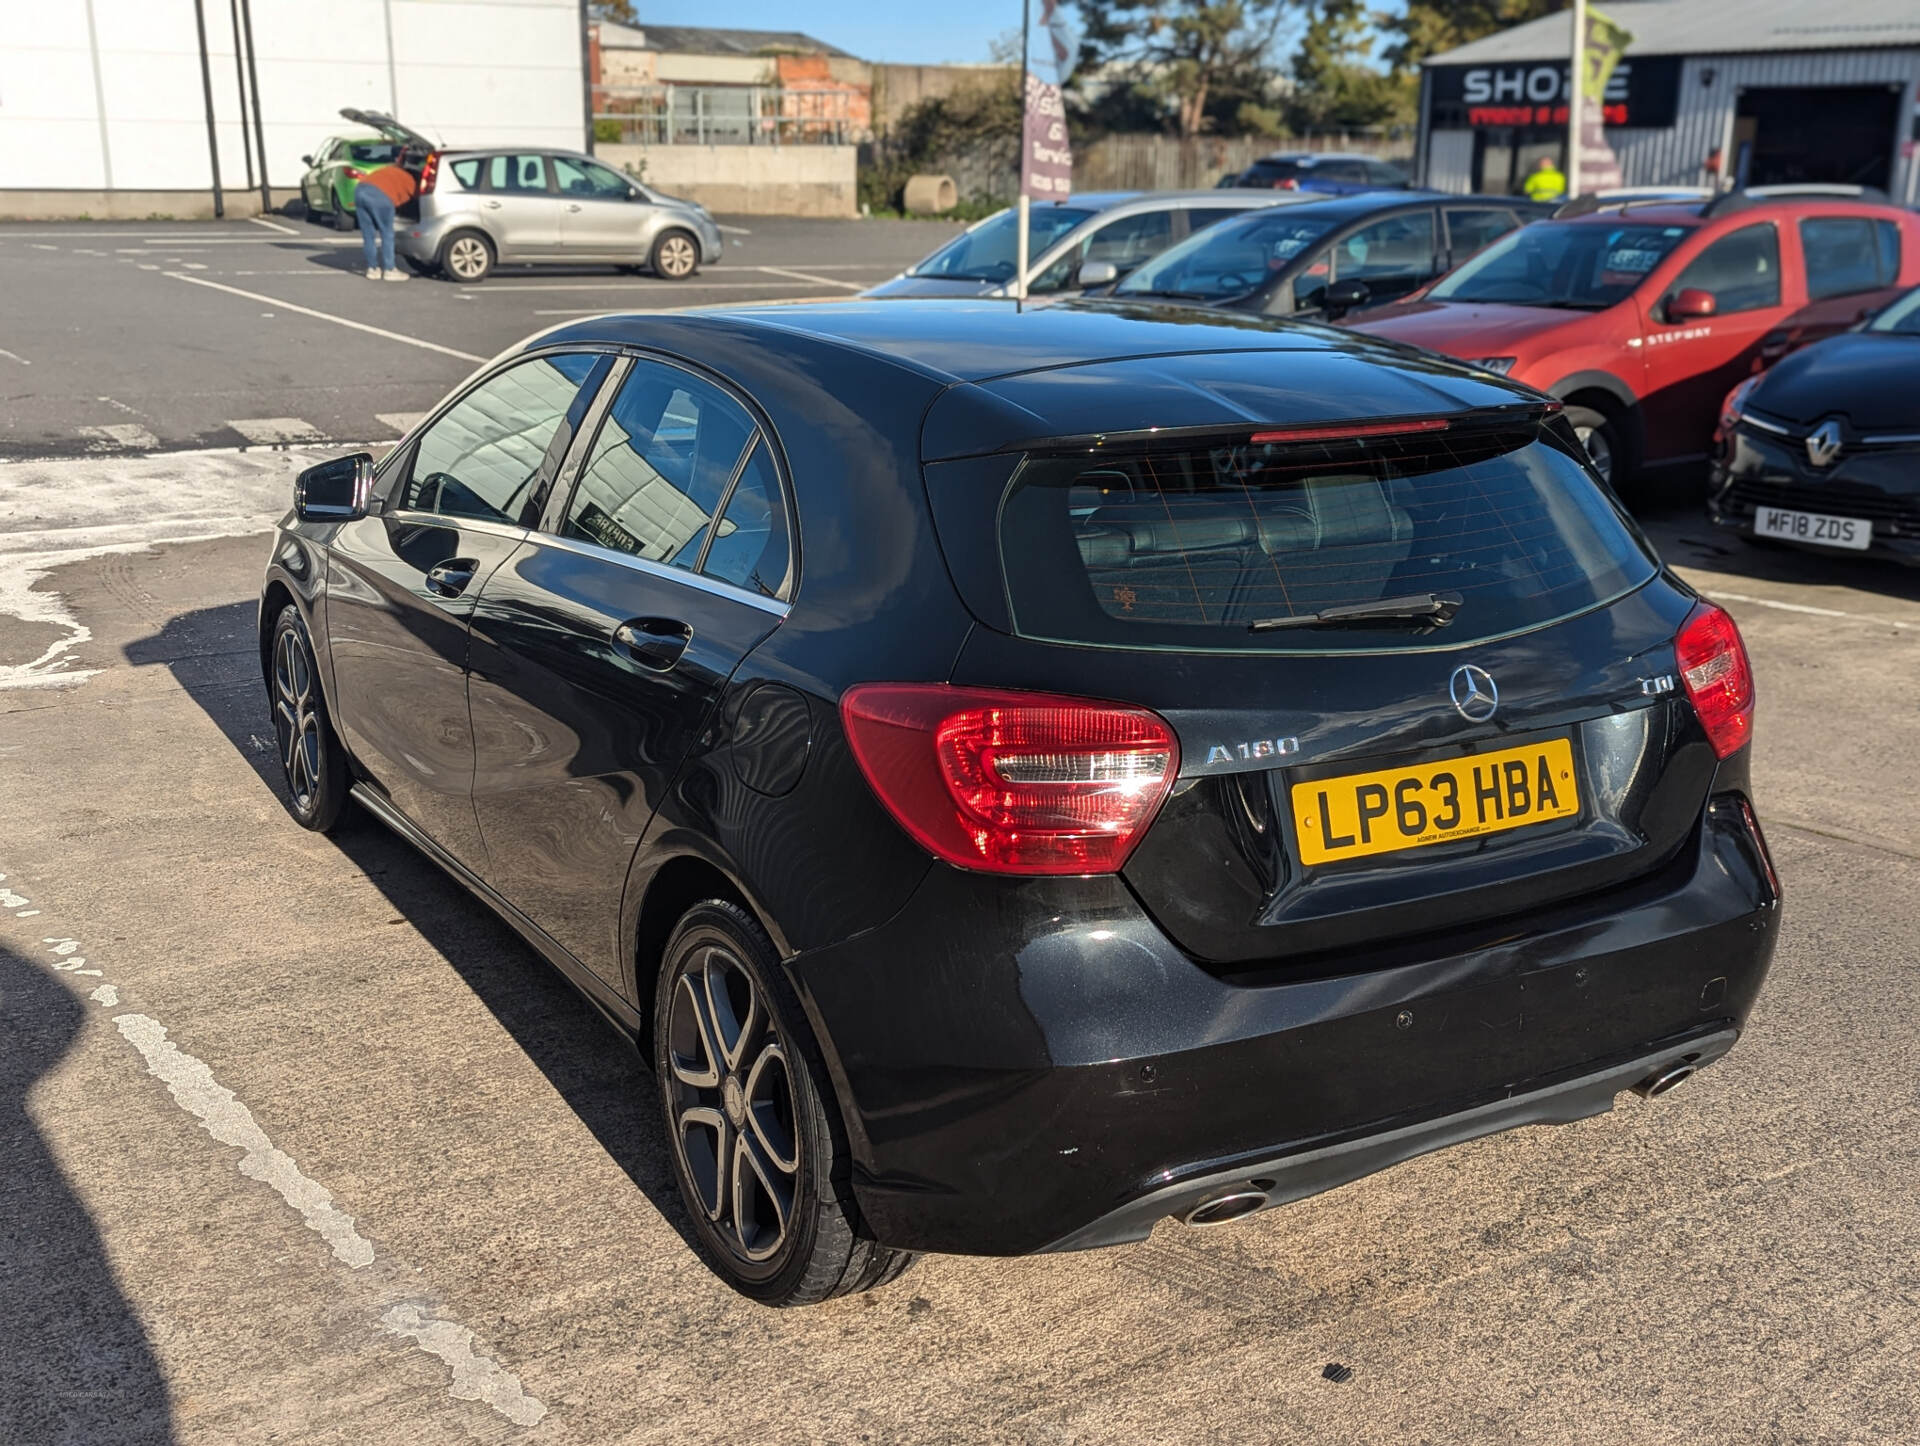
(1192, 548)
(1848, 254)
(1576, 265)
(1230, 259)
(986, 252)
(1742, 271)
(1397, 248)
(659, 467)
(490, 455)
(589, 179)
(521, 173)
(1126, 243)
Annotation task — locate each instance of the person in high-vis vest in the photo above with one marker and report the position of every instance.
(1547, 183)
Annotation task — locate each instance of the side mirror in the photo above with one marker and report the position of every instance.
(307, 159)
(1346, 296)
(335, 491)
(1689, 303)
(1098, 273)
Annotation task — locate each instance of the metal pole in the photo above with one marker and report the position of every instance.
(259, 127)
(587, 77)
(1021, 230)
(1577, 102)
(206, 92)
(240, 83)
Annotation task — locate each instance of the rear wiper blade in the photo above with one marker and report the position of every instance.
(1436, 609)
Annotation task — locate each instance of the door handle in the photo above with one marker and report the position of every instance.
(450, 579)
(572, 207)
(493, 205)
(655, 643)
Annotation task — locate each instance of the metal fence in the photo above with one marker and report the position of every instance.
(722, 115)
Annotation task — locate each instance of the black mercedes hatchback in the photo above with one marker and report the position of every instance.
(1024, 776)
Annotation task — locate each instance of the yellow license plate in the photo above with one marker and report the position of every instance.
(1406, 808)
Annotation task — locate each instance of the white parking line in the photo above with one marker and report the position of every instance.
(420, 342)
(818, 280)
(401, 422)
(130, 435)
(616, 287)
(1877, 619)
(277, 431)
(273, 225)
(732, 230)
(14, 356)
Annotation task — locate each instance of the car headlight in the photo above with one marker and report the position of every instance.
(1498, 365)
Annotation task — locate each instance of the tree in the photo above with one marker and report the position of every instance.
(1194, 53)
(619, 12)
(1337, 83)
(1427, 27)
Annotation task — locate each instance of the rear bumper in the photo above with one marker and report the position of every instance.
(1032, 1065)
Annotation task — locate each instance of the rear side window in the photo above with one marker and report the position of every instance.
(517, 173)
(1742, 270)
(1469, 230)
(1186, 549)
(467, 172)
(1846, 254)
(749, 547)
(659, 467)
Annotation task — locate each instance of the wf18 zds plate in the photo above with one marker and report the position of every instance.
(1405, 808)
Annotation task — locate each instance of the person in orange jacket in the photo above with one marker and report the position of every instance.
(376, 197)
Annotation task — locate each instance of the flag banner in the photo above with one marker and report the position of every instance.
(1046, 155)
(1605, 40)
(1061, 39)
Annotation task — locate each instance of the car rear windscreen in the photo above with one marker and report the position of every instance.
(1192, 547)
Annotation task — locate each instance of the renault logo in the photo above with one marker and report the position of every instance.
(1473, 693)
(1823, 444)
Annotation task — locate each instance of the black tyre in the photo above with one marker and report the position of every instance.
(757, 1145)
(675, 256)
(466, 256)
(312, 761)
(419, 267)
(1606, 443)
(343, 220)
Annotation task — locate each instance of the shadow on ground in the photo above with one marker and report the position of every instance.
(1686, 538)
(75, 1364)
(213, 654)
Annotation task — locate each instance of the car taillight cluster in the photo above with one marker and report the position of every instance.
(1717, 676)
(429, 172)
(1010, 782)
(1288, 184)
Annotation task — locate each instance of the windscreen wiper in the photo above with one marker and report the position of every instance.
(1435, 609)
(1176, 295)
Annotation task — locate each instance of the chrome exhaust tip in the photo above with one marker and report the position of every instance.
(1655, 1085)
(1225, 1206)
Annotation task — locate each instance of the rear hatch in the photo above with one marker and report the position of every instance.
(413, 153)
(1510, 735)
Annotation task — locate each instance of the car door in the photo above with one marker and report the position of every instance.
(521, 207)
(1852, 269)
(1125, 241)
(402, 582)
(1391, 257)
(601, 647)
(1693, 362)
(601, 214)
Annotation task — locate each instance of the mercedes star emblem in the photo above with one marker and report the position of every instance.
(1473, 693)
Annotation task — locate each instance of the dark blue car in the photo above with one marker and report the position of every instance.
(1337, 173)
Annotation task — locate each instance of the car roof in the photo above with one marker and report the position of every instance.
(1313, 156)
(1368, 203)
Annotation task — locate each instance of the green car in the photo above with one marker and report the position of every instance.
(326, 186)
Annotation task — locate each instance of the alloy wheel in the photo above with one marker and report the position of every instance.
(296, 719)
(676, 258)
(467, 258)
(732, 1106)
(1599, 449)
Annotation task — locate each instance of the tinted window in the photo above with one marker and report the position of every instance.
(1397, 247)
(467, 172)
(1468, 231)
(986, 252)
(586, 178)
(1581, 265)
(1201, 217)
(517, 173)
(1846, 254)
(1382, 174)
(1353, 173)
(658, 466)
(1187, 548)
(484, 458)
(1270, 173)
(374, 153)
(1230, 259)
(1742, 270)
(750, 545)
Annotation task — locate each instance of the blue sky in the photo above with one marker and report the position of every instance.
(923, 33)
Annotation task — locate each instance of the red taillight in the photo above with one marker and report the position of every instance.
(1351, 429)
(1286, 185)
(1719, 680)
(1012, 783)
(429, 172)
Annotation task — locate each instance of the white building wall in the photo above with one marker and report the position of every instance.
(106, 94)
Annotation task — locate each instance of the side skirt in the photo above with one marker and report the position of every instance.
(620, 1014)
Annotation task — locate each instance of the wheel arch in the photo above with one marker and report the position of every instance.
(1605, 392)
(680, 870)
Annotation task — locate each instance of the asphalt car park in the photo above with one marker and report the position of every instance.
(305, 1145)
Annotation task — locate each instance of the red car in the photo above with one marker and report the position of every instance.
(1642, 314)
